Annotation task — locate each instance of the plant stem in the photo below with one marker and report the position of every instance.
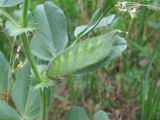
(31, 61)
(26, 44)
(141, 26)
(24, 16)
(25, 41)
(43, 104)
(29, 56)
(129, 28)
(7, 15)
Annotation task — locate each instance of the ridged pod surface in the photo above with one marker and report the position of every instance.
(87, 55)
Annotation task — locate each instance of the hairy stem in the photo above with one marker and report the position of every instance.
(29, 56)
(25, 41)
(31, 60)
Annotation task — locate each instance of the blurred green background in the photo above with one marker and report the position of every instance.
(129, 88)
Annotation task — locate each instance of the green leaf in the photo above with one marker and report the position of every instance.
(104, 22)
(76, 113)
(7, 113)
(9, 3)
(26, 100)
(32, 109)
(87, 55)
(4, 67)
(101, 115)
(51, 37)
(97, 16)
(13, 30)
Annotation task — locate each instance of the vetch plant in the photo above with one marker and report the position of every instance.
(43, 33)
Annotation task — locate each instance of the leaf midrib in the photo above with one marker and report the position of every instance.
(48, 23)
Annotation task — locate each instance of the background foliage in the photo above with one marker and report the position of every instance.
(129, 88)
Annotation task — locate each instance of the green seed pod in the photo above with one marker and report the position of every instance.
(87, 55)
